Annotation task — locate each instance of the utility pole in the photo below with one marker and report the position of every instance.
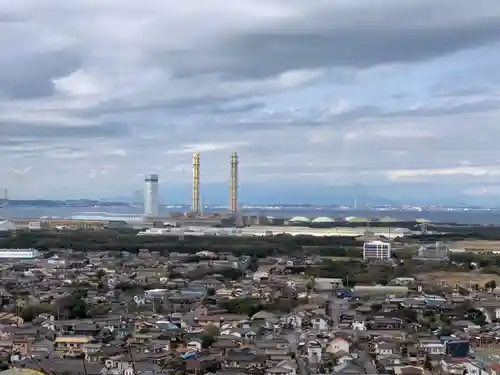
(131, 358)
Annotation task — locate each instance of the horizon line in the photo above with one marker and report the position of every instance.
(326, 205)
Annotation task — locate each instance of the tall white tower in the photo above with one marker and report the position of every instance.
(151, 205)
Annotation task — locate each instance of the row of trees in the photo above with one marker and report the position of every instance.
(115, 240)
(70, 307)
(126, 239)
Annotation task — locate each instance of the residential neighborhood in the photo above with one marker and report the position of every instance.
(120, 313)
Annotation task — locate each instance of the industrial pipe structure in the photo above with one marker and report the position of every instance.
(195, 205)
(234, 183)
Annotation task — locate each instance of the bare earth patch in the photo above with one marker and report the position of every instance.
(461, 278)
(477, 245)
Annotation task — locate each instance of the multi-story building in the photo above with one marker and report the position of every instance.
(71, 346)
(377, 250)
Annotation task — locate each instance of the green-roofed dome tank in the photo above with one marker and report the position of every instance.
(299, 221)
(422, 221)
(323, 221)
(355, 219)
(302, 219)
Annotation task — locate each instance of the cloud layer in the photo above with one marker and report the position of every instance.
(375, 93)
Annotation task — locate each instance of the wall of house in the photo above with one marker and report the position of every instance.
(338, 345)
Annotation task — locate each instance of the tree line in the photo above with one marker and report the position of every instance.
(116, 240)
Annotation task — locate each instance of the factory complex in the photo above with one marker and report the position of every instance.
(197, 223)
(262, 230)
(6, 225)
(210, 225)
(187, 224)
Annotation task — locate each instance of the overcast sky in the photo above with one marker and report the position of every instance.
(386, 95)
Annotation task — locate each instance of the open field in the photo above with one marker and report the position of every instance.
(461, 278)
(477, 245)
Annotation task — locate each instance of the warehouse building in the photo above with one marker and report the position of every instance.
(6, 225)
(19, 254)
(437, 251)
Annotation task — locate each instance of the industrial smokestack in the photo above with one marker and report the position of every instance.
(195, 205)
(234, 182)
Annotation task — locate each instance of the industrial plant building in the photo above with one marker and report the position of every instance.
(196, 222)
(318, 222)
(190, 232)
(151, 217)
(107, 216)
(437, 251)
(257, 231)
(6, 225)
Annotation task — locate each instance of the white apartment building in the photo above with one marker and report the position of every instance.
(377, 250)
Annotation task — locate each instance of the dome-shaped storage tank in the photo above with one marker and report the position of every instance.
(354, 219)
(299, 221)
(323, 222)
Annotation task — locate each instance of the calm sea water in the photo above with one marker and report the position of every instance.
(460, 217)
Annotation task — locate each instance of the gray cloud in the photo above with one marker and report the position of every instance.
(332, 92)
(356, 36)
(465, 92)
(47, 132)
(11, 142)
(30, 75)
(479, 106)
(372, 113)
(204, 104)
(8, 18)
